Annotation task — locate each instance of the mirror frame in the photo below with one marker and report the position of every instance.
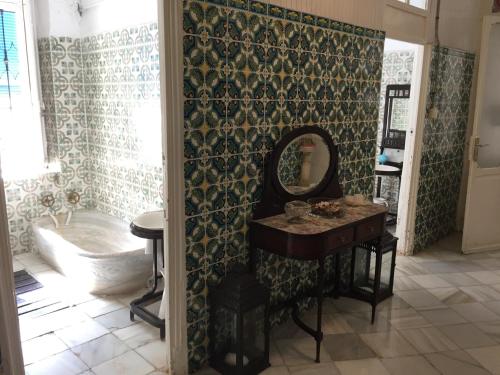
(280, 148)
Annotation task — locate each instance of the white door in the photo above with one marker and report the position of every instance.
(482, 211)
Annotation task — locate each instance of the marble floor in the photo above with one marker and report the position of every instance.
(93, 335)
(443, 319)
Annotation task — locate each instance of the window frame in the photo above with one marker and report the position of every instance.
(408, 2)
(405, 6)
(28, 56)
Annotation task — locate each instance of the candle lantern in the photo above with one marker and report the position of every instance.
(373, 265)
(239, 325)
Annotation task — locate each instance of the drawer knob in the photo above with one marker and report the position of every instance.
(372, 230)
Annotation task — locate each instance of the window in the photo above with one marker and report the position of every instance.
(21, 145)
(422, 4)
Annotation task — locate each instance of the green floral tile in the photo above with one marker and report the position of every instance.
(444, 146)
(264, 70)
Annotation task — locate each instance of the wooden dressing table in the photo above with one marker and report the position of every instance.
(312, 238)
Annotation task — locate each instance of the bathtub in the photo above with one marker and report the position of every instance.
(95, 250)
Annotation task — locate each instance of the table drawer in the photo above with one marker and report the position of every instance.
(369, 229)
(339, 239)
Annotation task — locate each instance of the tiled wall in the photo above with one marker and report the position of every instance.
(122, 105)
(443, 149)
(397, 70)
(252, 74)
(63, 99)
(102, 121)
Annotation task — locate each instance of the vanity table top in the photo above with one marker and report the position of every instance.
(313, 225)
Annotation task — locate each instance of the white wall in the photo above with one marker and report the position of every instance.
(105, 15)
(460, 19)
(57, 18)
(61, 17)
(461, 22)
(406, 23)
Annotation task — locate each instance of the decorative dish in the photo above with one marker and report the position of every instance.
(326, 207)
(294, 210)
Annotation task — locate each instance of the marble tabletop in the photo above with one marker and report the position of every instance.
(312, 224)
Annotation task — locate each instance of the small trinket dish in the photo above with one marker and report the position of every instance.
(295, 210)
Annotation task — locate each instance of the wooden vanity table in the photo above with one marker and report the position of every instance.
(312, 238)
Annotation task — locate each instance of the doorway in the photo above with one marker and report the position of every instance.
(402, 74)
(96, 159)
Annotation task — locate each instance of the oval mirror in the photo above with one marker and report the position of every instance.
(303, 164)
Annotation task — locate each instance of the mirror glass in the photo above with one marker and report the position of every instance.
(303, 164)
(400, 114)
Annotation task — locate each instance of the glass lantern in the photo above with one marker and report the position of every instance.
(373, 268)
(239, 325)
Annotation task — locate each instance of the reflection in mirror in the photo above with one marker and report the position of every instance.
(400, 114)
(303, 164)
(396, 116)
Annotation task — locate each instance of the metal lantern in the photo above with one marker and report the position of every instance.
(239, 325)
(373, 266)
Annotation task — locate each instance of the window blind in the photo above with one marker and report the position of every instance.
(9, 55)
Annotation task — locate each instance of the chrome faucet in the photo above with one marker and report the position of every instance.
(48, 201)
(73, 198)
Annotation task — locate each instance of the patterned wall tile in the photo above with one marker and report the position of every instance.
(252, 73)
(102, 123)
(63, 99)
(443, 146)
(397, 69)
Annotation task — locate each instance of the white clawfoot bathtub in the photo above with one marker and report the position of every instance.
(95, 250)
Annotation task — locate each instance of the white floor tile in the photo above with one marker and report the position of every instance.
(459, 279)
(388, 344)
(300, 351)
(100, 350)
(420, 299)
(482, 293)
(475, 312)
(488, 357)
(428, 340)
(314, 369)
(42, 347)
(116, 319)
(81, 333)
(17, 266)
(100, 306)
(138, 334)
(371, 366)
(430, 281)
(409, 366)
(485, 277)
(279, 370)
(64, 363)
(467, 336)
(155, 353)
(129, 363)
(456, 363)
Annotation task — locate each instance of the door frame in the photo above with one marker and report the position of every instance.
(171, 84)
(170, 18)
(474, 169)
(413, 150)
(10, 339)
